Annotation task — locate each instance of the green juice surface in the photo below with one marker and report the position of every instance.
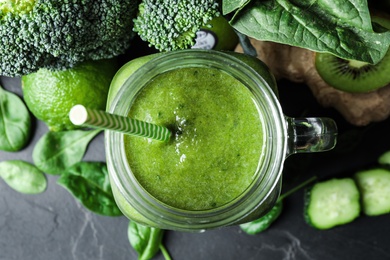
(217, 140)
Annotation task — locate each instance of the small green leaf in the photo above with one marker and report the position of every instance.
(229, 6)
(15, 122)
(89, 183)
(57, 151)
(23, 176)
(145, 240)
(263, 223)
(342, 28)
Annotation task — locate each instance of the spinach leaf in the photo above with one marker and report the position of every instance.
(342, 28)
(263, 223)
(232, 5)
(57, 151)
(15, 122)
(147, 241)
(23, 176)
(89, 183)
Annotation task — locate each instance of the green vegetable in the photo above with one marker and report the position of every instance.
(147, 241)
(265, 221)
(374, 185)
(331, 203)
(384, 159)
(342, 28)
(57, 151)
(89, 183)
(15, 122)
(59, 34)
(23, 176)
(171, 24)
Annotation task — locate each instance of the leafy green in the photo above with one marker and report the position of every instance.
(232, 5)
(89, 183)
(23, 176)
(147, 241)
(15, 122)
(263, 223)
(57, 151)
(342, 28)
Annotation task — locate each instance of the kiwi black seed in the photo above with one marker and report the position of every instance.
(353, 76)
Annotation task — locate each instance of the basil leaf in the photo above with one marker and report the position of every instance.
(89, 183)
(342, 28)
(263, 223)
(15, 122)
(23, 176)
(145, 240)
(57, 151)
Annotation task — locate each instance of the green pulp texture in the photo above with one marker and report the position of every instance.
(217, 140)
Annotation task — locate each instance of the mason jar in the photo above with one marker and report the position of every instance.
(282, 136)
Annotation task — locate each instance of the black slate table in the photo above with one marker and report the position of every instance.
(53, 225)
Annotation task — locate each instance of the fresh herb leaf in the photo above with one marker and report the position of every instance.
(147, 241)
(263, 223)
(89, 183)
(23, 176)
(15, 122)
(342, 28)
(232, 5)
(57, 151)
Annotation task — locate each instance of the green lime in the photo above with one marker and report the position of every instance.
(51, 94)
(217, 35)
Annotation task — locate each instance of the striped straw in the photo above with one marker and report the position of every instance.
(82, 116)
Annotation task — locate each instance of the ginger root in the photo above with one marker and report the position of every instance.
(297, 65)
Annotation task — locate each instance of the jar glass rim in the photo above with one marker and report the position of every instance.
(260, 189)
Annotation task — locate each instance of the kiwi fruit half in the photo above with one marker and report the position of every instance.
(355, 76)
(351, 75)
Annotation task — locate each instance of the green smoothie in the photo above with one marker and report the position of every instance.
(217, 142)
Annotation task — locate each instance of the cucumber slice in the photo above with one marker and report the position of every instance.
(384, 159)
(374, 185)
(332, 203)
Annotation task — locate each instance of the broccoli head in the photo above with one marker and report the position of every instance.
(59, 34)
(172, 24)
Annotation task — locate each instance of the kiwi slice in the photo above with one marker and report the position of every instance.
(351, 75)
(356, 76)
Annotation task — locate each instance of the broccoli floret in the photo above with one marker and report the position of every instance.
(172, 24)
(59, 34)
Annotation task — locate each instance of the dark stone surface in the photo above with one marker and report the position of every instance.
(52, 225)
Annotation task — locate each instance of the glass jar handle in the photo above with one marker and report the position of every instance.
(308, 135)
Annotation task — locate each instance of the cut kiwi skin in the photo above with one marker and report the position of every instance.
(355, 76)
